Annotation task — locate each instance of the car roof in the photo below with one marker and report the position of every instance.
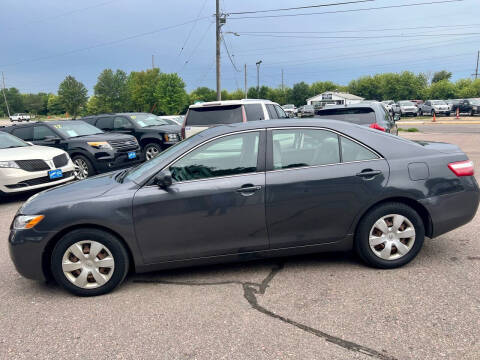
(230, 102)
(111, 114)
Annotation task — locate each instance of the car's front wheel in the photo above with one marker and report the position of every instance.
(152, 150)
(390, 235)
(83, 167)
(89, 262)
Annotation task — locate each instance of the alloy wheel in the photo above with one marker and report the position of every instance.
(392, 237)
(81, 169)
(151, 152)
(88, 264)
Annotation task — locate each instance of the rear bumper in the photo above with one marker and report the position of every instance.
(451, 211)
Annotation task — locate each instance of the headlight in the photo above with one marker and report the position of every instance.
(170, 137)
(9, 164)
(26, 221)
(100, 145)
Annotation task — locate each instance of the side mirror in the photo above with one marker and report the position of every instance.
(396, 117)
(163, 179)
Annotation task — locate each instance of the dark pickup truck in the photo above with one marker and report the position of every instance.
(468, 106)
(92, 151)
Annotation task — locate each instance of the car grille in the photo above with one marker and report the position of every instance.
(124, 145)
(32, 165)
(60, 160)
(38, 181)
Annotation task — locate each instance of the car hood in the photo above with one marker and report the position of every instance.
(165, 128)
(70, 193)
(29, 153)
(104, 137)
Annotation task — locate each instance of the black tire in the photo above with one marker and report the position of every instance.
(432, 112)
(447, 113)
(116, 248)
(420, 112)
(151, 148)
(90, 168)
(472, 113)
(362, 246)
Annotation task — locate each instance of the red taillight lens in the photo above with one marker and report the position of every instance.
(377, 127)
(462, 168)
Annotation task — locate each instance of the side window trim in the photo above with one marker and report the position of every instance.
(269, 150)
(261, 159)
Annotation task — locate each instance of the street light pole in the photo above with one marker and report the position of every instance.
(258, 76)
(217, 22)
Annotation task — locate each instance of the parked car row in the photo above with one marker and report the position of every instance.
(431, 107)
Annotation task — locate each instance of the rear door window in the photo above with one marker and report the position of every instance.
(272, 114)
(359, 116)
(24, 133)
(254, 112)
(105, 123)
(213, 115)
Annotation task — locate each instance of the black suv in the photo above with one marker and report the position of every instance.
(92, 151)
(372, 114)
(153, 133)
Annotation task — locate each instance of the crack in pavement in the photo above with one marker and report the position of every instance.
(251, 289)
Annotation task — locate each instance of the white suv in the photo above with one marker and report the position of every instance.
(26, 167)
(201, 116)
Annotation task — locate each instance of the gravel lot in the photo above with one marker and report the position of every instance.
(327, 306)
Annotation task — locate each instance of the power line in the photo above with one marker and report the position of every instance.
(193, 27)
(104, 43)
(229, 55)
(347, 11)
(359, 37)
(300, 7)
(196, 47)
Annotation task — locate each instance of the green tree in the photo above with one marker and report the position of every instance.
(73, 95)
(35, 103)
(94, 106)
(300, 93)
(442, 89)
(171, 95)
(203, 94)
(54, 105)
(142, 86)
(111, 91)
(14, 99)
(319, 87)
(237, 94)
(441, 75)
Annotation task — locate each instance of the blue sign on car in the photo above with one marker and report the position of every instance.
(132, 155)
(55, 174)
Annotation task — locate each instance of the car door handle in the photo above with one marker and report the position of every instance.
(248, 189)
(368, 173)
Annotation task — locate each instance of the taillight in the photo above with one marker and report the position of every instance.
(244, 115)
(377, 127)
(462, 168)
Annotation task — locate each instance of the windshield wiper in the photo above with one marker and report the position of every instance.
(121, 175)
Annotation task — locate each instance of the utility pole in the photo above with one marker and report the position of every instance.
(283, 89)
(4, 96)
(217, 22)
(258, 76)
(245, 73)
(153, 61)
(476, 71)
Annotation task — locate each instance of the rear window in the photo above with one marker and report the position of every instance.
(211, 115)
(254, 112)
(359, 116)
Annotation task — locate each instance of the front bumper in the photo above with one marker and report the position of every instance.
(116, 161)
(27, 248)
(442, 111)
(451, 211)
(14, 180)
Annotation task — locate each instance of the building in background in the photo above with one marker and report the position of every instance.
(333, 98)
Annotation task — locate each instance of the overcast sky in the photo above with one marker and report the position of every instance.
(43, 41)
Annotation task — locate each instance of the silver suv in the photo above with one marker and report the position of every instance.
(431, 107)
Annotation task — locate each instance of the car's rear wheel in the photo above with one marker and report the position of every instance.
(83, 167)
(390, 235)
(152, 150)
(89, 262)
(432, 112)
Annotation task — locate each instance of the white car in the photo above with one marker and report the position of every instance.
(26, 167)
(290, 110)
(203, 115)
(173, 119)
(19, 117)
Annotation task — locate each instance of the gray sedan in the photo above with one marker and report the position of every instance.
(247, 191)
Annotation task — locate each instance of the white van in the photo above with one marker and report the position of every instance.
(201, 116)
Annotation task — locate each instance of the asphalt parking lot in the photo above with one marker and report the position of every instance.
(327, 306)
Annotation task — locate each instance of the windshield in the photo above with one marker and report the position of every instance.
(438, 102)
(145, 120)
(308, 107)
(406, 103)
(77, 128)
(8, 141)
(288, 106)
(213, 115)
(142, 169)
